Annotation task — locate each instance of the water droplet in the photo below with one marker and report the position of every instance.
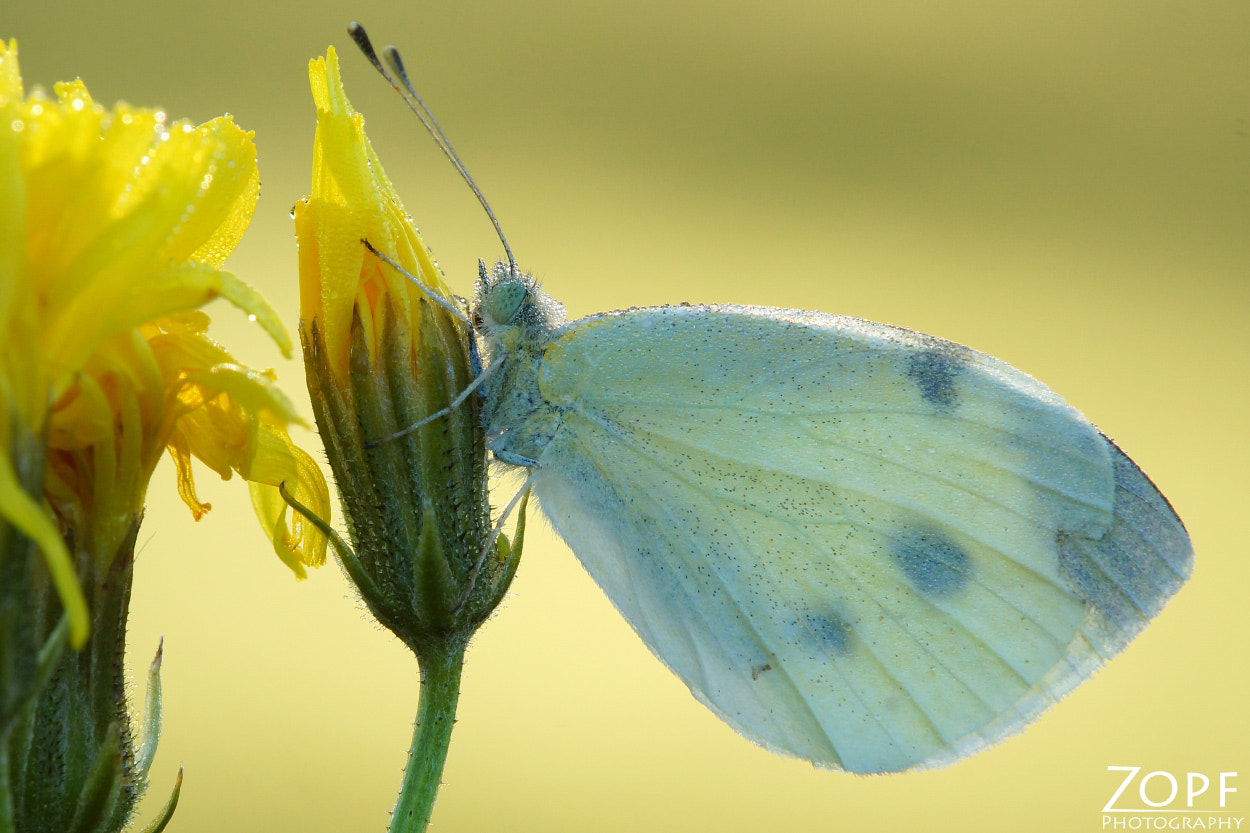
(252, 317)
(18, 125)
(77, 104)
(36, 110)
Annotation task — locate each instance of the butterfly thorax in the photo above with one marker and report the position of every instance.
(518, 322)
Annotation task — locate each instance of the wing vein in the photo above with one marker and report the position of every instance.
(622, 437)
(659, 510)
(677, 474)
(687, 406)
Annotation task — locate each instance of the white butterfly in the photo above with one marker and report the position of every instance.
(856, 544)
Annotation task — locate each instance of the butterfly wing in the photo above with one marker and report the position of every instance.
(856, 544)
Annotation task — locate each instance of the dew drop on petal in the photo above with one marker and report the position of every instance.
(77, 104)
(251, 317)
(18, 125)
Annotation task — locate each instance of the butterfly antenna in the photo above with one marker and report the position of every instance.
(409, 94)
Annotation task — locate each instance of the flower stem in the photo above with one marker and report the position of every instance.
(441, 665)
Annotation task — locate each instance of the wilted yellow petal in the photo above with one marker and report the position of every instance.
(186, 477)
(298, 543)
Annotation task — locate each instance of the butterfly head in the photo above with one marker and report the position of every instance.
(512, 307)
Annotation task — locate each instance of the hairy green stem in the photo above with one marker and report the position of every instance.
(441, 665)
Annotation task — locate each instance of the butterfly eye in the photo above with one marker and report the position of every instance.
(504, 300)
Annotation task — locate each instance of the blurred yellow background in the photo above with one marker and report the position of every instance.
(1065, 186)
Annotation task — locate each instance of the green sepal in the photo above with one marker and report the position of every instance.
(50, 655)
(436, 589)
(45, 663)
(150, 731)
(98, 802)
(167, 812)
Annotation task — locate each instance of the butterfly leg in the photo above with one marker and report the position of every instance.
(416, 281)
(514, 459)
(455, 403)
(493, 538)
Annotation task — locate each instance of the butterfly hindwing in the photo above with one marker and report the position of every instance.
(856, 544)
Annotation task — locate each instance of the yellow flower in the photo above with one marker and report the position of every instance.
(113, 227)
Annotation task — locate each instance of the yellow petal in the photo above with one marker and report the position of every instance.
(129, 218)
(253, 391)
(169, 290)
(228, 188)
(352, 199)
(10, 73)
(12, 210)
(243, 296)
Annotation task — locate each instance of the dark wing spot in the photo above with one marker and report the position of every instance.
(934, 371)
(934, 564)
(831, 630)
(760, 669)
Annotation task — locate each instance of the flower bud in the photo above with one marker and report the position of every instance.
(384, 351)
